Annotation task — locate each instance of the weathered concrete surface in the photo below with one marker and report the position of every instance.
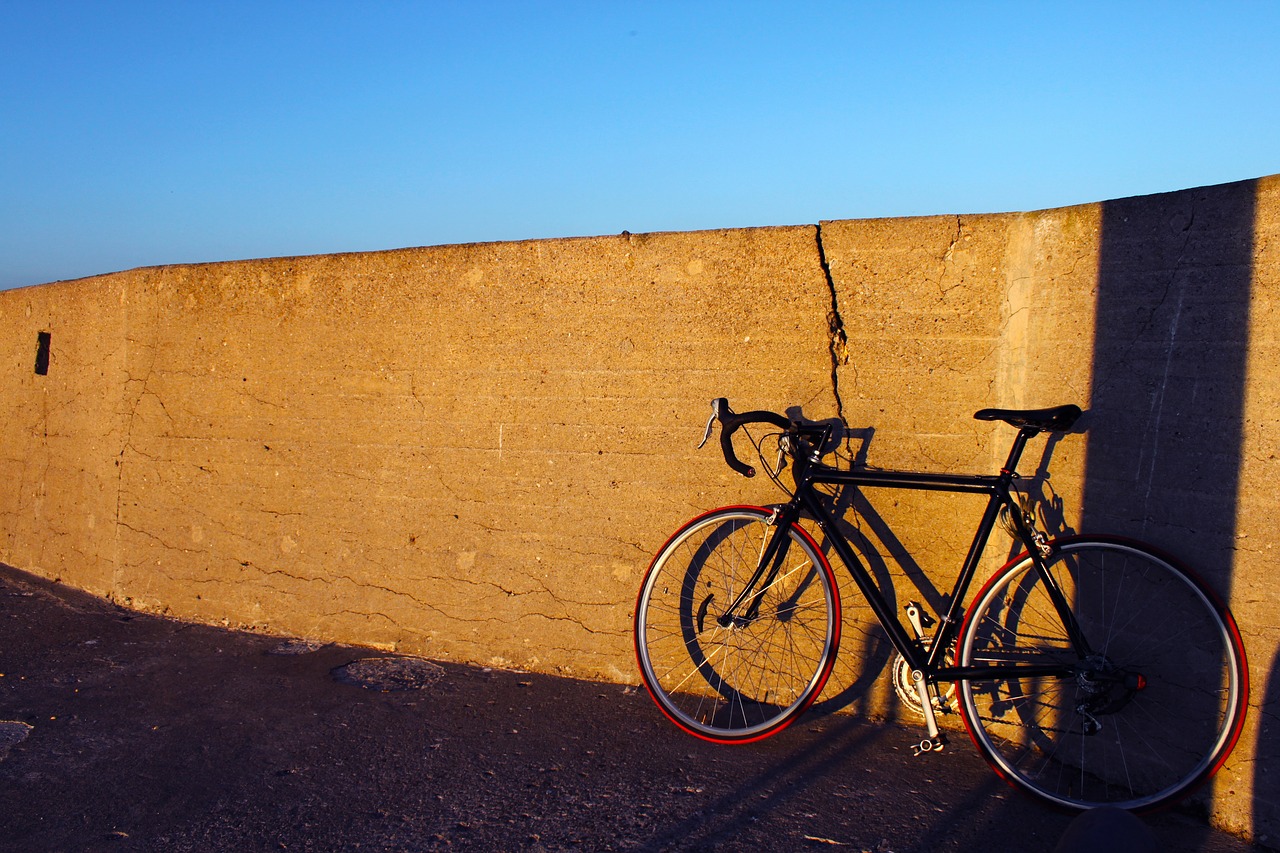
(470, 452)
(464, 451)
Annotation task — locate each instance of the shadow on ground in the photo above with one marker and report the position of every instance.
(132, 732)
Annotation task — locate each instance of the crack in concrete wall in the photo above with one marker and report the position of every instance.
(837, 338)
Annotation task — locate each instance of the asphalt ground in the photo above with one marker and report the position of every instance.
(121, 731)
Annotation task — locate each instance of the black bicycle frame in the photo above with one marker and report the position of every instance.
(809, 471)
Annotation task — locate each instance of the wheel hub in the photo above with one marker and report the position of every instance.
(1104, 689)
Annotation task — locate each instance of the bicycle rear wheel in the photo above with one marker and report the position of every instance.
(1148, 715)
(735, 680)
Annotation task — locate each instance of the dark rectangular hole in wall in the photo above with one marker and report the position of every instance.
(42, 353)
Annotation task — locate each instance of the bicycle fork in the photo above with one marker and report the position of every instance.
(772, 557)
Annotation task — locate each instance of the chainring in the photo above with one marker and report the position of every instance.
(909, 695)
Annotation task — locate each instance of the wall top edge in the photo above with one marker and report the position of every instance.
(1264, 181)
(410, 250)
(1267, 180)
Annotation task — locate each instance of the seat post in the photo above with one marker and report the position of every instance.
(1015, 452)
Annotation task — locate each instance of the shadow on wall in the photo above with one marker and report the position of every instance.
(1171, 339)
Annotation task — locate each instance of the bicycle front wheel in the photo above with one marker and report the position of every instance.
(1148, 711)
(742, 677)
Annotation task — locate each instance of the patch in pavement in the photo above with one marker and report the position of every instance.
(11, 734)
(296, 647)
(390, 673)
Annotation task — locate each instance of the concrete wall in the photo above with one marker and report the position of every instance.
(470, 452)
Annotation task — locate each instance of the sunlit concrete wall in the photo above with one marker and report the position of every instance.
(471, 452)
(463, 451)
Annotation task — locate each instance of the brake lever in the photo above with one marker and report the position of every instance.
(710, 423)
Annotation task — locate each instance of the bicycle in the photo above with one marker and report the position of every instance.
(1089, 670)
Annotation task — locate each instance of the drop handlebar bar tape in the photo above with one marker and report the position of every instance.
(729, 424)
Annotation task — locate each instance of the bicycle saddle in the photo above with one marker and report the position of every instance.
(1056, 419)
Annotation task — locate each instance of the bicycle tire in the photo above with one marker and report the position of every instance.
(1143, 721)
(742, 682)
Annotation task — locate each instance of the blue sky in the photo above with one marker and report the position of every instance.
(139, 133)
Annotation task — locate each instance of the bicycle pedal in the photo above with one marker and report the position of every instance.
(929, 744)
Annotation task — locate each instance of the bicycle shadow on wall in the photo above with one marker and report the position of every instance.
(867, 654)
(855, 684)
(1039, 499)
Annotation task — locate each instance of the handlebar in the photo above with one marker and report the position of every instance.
(729, 424)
